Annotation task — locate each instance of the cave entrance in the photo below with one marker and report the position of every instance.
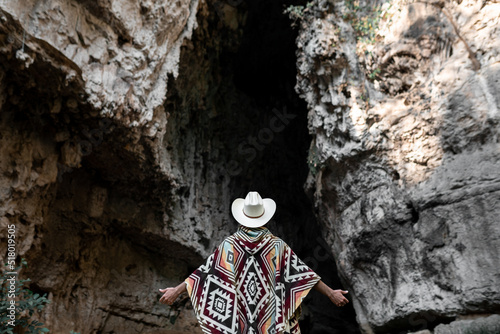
(272, 151)
(235, 118)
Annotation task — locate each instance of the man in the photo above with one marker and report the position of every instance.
(253, 282)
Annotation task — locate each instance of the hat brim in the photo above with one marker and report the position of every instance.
(237, 211)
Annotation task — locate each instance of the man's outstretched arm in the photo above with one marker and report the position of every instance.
(336, 296)
(171, 294)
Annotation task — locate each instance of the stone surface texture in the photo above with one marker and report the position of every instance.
(405, 157)
(487, 324)
(106, 210)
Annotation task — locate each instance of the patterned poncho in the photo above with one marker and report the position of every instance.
(252, 284)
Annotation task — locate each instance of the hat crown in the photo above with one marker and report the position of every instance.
(253, 206)
(253, 210)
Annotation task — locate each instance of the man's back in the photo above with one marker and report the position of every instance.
(252, 283)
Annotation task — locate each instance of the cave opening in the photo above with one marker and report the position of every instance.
(236, 124)
(272, 144)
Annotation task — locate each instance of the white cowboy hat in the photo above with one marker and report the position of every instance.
(253, 211)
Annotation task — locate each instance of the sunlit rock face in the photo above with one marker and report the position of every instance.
(108, 203)
(405, 160)
(124, 49)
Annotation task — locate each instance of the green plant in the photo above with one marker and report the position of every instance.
(364, 19)
(313, 161)
(374, 74)
(27, 304)
(296, 13)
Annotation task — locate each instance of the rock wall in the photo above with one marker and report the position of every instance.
(84, 175)
(403, 100)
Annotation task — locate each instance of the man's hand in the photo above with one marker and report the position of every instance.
(171, 294)
(337, 297)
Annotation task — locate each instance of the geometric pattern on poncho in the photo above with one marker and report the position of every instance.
(252, 284)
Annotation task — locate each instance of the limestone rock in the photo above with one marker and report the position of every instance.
(490, 324)
(124, 50)
(403, 103)
(84, 176)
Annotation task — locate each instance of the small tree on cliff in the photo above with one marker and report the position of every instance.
(26, 305)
